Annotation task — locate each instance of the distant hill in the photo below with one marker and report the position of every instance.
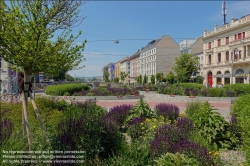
(89, 78)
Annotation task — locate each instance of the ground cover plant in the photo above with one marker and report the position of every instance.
(68, 89)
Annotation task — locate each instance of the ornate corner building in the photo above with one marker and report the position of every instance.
(227, 53)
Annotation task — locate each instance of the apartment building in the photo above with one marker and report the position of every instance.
(118, 70)
(158, 56)
(196, 49)
(227, 55)
(135, 66)
(8, 78)
(125, 67)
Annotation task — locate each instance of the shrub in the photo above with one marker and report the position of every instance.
(135, 129)
(141, 109)
(189, 85)
(241, 109)
(6, 129)
(111, 138)
(193, 150)
(120, 113)
(60, 90)
(90, 94)
(216, 92)
(238, 88)
(169, 111)
(171, 159)
(211, 125)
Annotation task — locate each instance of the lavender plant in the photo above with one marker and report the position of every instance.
(120, 113)
(169, 111)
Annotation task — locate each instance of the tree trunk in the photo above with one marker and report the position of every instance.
(25, 107)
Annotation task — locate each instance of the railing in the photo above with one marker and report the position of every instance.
(235, 23)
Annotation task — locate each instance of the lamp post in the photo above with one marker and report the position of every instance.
(232, 65)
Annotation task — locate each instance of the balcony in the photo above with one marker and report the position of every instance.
(209, 50)
(240, 41)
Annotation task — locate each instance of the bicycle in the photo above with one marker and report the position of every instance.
(7, 96)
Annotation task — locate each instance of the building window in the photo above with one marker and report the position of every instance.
(219, 57)
(235, 37)
(243, 35)
(239, 36)
(227, 40)
(209, 59)
(219, 43)
(227, 56)
(239, 54)
(209, 45)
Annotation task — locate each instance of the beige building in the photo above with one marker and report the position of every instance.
(197, 50)
(158, 56)
(125, 67)
(134, 66)
(227, 55)
(117, 70)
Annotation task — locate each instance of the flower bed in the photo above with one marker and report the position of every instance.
(158, 137)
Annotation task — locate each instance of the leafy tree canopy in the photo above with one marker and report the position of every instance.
(185, 65)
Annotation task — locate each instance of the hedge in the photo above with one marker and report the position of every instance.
(69, 89)
(238, 88)
(189, 85)
(241, 109)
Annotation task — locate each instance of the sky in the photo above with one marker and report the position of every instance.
(135, 23)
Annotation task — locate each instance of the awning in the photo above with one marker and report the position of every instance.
(218, 75)
(227, 75)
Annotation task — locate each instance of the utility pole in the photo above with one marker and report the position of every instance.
(224, 11)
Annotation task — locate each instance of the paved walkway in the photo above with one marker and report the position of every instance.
(222, 107)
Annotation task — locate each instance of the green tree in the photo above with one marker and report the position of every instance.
(185, 65)
(145, 80)
(106, 76)
(123, 75)
(159, 77)
(69, 77)
(139, 79)
(153, 79)
(170, 77)
(116, 80)
(26, 39)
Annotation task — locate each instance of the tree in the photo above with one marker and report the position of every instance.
(116, 80)
(69, 77)
(145, 80)
(185, 65)
(139, 79)
(159, 77)
(26, 40)
(170, 77)
(123, 75)
(153, 79)
(106, 76)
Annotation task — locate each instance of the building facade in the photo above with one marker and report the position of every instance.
(117, 70)
(196, 49)
(158, 56)
(125, 67)
(226, 53)
(8, 78)
(135, 67)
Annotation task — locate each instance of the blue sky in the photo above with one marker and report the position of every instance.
(144, 20)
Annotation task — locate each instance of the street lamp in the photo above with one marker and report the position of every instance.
(232, 65)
